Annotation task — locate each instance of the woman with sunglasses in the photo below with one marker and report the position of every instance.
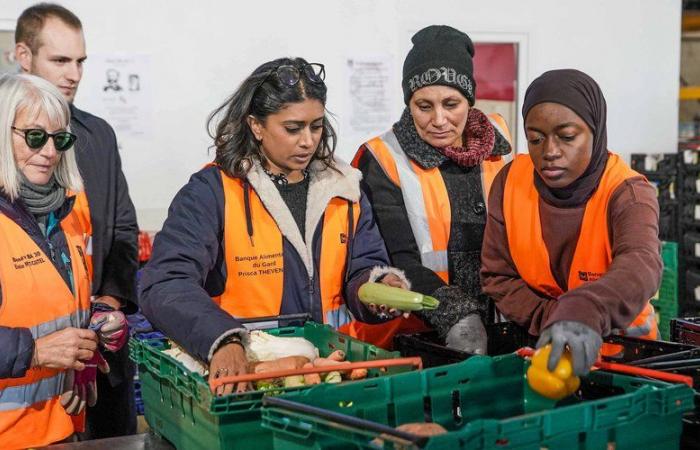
(430, 174)
(45, 289)
(275, 226)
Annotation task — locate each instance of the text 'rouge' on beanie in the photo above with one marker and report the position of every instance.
(440, 55)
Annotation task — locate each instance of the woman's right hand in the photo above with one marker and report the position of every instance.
(65, 349)
(229, 360)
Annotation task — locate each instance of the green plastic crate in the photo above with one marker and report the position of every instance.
(666, 300)
(485, 403)
(180, 407)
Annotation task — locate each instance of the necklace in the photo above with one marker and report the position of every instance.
(281, 179)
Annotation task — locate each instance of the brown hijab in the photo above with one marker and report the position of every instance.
(580, 93)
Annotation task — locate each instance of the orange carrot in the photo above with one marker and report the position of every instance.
(337, 355)
(311, 378)
(286, 363)
(358, 374)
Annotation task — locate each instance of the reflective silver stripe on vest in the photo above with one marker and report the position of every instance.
(412, 193)
(25, 395)
(339, 317)
(497, 126)
(77, 319)
(643, 329)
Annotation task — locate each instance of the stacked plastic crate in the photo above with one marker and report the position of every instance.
(662, 171)
(689, 179)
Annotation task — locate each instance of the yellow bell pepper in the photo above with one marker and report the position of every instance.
(557, 384)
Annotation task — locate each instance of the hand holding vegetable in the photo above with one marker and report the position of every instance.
(557, 383)
(583, 342)
(468, 335)
(395, 299)
(229, 360)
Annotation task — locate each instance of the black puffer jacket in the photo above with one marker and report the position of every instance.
(468, 208)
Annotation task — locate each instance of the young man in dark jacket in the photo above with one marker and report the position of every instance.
(50, 44)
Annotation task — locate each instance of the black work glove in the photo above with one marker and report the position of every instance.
(583, 342)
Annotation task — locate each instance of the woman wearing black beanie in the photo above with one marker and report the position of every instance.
(428, 180)
(571, 249)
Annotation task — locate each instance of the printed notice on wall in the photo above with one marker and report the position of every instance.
(370, 99)
(119, 89)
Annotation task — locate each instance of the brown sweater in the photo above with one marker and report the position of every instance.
(612, 301)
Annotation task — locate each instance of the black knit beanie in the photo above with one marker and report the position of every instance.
(440, 55)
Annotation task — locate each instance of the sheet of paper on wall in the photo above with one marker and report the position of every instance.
(119, 88)
(370, 102)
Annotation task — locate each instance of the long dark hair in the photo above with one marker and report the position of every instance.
(260, 95)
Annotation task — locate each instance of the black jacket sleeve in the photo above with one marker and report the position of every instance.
(18, 348)
(121, 258)
(114, 227)
(367, 252)
(185, 251)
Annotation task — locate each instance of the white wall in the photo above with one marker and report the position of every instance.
(200, 50)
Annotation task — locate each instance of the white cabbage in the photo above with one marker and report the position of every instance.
(263, 346)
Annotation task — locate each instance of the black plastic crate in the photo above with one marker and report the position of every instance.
(665, 189)
(504, 337)
(655, 163)
(686, 330)
(692, 286)
(691, 184)
(691, 244)
(668, 222)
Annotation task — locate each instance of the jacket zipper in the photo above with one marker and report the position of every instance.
(311, 295)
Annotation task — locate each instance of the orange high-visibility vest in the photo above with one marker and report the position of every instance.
(593, 254)
(255, 264)
(35, 296)
(82, 210)
(428, 208)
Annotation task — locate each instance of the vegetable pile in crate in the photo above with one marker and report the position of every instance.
(481, 403)
(180, 406)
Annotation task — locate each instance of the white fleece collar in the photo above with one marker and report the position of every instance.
(324, 185)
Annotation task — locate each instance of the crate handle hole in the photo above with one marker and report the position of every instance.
(464, 381)
(371, 386)
(502, 442)
(345, 403)
(456, 407)
(440, 374)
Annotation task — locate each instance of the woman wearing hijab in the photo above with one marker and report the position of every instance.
(571, 248)
(428, 180)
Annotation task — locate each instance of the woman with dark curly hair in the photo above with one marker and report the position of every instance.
(274, 226)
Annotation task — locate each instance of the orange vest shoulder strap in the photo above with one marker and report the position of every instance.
(381, 152)
(500, 124)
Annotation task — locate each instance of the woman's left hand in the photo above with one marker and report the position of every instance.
(382, 310)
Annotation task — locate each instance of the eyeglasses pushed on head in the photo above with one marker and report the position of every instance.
(289, 75)
(36, 138)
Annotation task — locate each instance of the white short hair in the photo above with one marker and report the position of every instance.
(34, 95)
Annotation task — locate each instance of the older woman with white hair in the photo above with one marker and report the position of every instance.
(45, 289)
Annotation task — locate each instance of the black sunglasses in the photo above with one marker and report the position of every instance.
(36, 138)
(290, 75)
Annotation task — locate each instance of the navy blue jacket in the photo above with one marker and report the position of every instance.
(187, 266)
(17, 343)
